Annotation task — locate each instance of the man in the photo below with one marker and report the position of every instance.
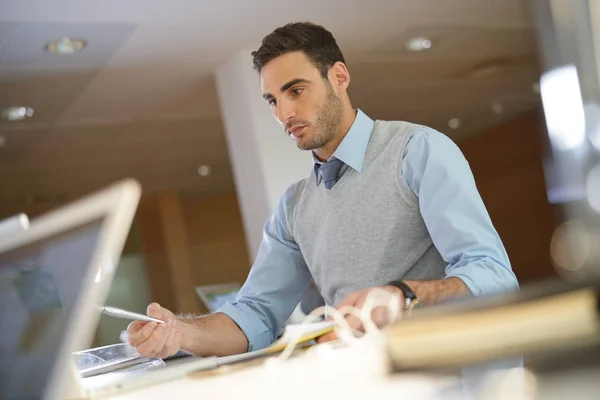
(388, 204)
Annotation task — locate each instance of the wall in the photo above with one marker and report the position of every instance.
(191, 241)
(507, 163)
(216, 240)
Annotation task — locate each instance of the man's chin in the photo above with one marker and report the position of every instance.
(302, 145)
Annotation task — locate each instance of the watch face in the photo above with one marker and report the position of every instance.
(415, 304)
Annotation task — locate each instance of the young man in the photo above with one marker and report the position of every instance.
(388, 204)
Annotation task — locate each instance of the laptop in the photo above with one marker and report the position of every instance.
(54, 276)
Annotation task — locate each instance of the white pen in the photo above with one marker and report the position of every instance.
(119, 313)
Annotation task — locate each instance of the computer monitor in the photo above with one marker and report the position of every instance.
(53, 278)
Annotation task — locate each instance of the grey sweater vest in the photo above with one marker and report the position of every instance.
(367, 230)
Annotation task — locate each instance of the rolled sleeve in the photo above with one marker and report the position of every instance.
(456, 218)
(257, 332)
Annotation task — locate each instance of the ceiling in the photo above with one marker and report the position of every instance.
(140, 99)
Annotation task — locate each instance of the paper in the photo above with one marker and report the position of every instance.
(307, 332)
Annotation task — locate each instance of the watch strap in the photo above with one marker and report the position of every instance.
(411, 300)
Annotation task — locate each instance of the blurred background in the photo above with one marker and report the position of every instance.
(144, 89)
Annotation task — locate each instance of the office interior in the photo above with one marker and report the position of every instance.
(158, 92)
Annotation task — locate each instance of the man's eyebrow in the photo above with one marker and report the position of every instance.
(286, 86)
(292, 83)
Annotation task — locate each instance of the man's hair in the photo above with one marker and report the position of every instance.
(316, 42)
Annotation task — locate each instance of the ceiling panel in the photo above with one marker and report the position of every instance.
(25, 43)
(49, 96)
(457, 43)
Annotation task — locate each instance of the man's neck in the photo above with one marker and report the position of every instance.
(324, 153)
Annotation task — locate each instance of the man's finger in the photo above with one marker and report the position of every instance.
(165, 331)
(146, 348)
(142, 335)
(135, 326)
(330, 336)
(170, 346)
(350, 300)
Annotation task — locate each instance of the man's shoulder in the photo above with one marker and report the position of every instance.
(412, 130)
(291, 193)
(396, 125)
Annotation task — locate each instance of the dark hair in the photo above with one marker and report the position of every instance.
(314, 40)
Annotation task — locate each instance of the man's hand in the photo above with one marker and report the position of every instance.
(379, 314)
(152, 339)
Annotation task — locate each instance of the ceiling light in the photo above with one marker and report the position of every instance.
(497, 108)
(454, 123)
(418, 44)
(204, 170)
(65, 45)
(16, 113)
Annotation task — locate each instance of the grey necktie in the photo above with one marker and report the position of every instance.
(330, 171)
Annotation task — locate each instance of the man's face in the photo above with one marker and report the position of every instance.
(303, 102)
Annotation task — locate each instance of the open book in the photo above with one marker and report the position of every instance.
(306, 332)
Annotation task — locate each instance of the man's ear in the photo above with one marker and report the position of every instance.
(339, 77)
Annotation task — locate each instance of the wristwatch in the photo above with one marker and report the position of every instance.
(411, 301)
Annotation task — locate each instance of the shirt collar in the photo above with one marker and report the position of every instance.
(351, 151)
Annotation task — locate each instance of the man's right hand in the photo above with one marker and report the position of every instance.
(152, 339)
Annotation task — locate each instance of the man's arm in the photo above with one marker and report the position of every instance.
(438, 174)
(436, 291)
(208, 335)
(276, 283)
(215, 334)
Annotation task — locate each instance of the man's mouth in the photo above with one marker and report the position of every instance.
(296, 131)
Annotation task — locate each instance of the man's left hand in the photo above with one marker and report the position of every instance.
(379, 314)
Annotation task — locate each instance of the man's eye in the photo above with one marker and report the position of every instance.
(272, 102)
(297, 91)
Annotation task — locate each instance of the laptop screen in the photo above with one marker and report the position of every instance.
(39, 284)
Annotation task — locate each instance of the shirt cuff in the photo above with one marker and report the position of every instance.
(484, 279)
(258, 334)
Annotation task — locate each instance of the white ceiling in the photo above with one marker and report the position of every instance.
(140, 99)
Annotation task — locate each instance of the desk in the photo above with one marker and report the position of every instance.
(323, 372)
(340, 373)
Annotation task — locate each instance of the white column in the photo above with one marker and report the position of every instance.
(265, 161)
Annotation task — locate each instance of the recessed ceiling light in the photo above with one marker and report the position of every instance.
(204, 170)
(454, 123)
(16, 113)
(65, 45)
(418, 44)
(497, 108)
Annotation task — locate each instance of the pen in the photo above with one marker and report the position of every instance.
(119, 313)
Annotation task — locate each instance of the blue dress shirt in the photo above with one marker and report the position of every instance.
(437, 172)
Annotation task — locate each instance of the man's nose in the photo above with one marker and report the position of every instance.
(285, 112)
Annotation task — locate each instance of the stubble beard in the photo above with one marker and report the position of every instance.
(327, 123)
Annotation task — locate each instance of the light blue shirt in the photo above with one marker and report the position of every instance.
(436, 171)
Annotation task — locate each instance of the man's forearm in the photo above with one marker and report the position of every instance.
(432, 292)
(212, 335)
